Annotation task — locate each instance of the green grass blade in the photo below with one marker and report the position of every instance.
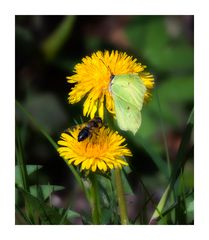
(29, 168)
(178, 167)
(42, 213)
(173, 206)
(160, 206)
(42, 192)
(163, 133)
(21, 163)
(149, 199)
(23, 215)
(23, 174)
(53, 143)
(181, 155)
(69, 215)
(52, 45)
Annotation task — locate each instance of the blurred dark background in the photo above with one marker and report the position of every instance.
(46, 50)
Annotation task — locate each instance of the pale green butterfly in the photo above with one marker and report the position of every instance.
(128, 95)
(128, 92)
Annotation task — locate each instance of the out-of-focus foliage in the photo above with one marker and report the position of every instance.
(47, 48)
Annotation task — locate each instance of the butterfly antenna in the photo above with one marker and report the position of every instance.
(107, 68)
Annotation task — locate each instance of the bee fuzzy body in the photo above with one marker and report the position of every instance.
(83, 134)
(88, 129)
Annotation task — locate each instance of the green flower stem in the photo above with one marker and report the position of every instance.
(95, 200)
(121, 199)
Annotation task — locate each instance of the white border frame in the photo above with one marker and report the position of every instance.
(77, 7)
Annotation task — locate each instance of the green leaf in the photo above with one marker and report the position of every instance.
(106, 216)
(168, 89)
(41, 212)
(72, 214)
(162, 52)
(156, 36)
(106, 189)
(30, 169)
(149, 36)
(68, 215)
(137, 31)
(171, 58)
(52, 142)
(46, 190)
(172, 104)
(149, 126)
(190, 209)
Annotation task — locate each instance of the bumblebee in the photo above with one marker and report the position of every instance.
(89, 128)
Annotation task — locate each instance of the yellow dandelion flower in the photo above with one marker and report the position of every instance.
(104, 150)
(93, 76)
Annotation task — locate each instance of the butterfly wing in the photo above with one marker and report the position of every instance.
(128, 95)
(130, 88)
(127, 115)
